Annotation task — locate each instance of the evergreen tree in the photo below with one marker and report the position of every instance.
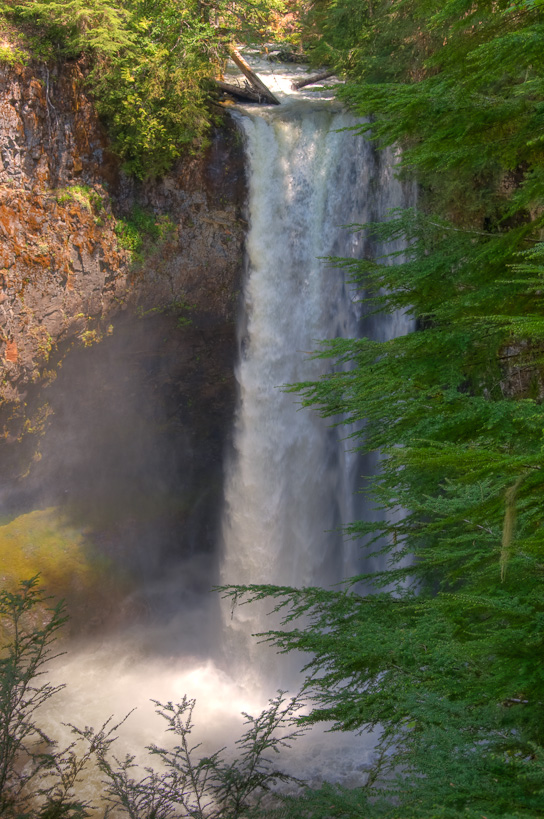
(41, 780)
(444, 658)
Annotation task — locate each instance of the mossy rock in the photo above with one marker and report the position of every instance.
(45, 543)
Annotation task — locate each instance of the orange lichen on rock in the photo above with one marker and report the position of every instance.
(11, 352)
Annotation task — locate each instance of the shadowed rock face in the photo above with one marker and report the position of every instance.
(117, 382)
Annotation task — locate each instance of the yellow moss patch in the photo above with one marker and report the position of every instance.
(42, 542)
(45, 542)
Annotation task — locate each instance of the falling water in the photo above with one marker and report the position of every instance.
(292, 478)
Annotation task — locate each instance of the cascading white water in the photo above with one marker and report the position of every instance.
(287, 486)
(292, 479)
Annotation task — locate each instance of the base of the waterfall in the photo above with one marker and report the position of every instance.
(322, 755)
(113, 680)
(108, 682)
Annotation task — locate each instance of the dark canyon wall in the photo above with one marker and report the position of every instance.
(117, 381)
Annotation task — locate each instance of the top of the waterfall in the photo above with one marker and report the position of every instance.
(279, 77)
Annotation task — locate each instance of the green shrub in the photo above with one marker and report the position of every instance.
(11, 55)
(30, 762)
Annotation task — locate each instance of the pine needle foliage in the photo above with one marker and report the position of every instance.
(188, 784)
(443, 661)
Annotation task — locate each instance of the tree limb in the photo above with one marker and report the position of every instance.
(266, 93)
(323, 75)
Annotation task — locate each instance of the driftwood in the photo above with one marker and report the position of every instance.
(323, 75)
(242, 92)
(258, 85)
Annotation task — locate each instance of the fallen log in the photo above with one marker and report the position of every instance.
(323, 75)
(242, 92)
(258, 85)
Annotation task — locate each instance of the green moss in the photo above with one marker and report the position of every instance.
(84, 195)
(142, 232)
(44, 542)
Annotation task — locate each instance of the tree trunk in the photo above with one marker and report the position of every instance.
(323, 75)
(240, 92)
(260, 87)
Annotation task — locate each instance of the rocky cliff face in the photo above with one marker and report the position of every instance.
(117, 377)
(61, 265)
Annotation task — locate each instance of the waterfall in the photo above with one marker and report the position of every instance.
(292, 478)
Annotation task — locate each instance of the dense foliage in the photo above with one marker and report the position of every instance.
(150, 63)
(446, 655)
